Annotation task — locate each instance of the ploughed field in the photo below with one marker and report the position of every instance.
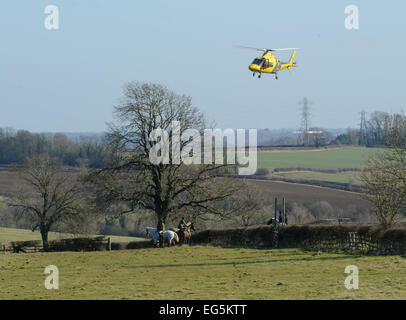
(310, 194)
(201, 273)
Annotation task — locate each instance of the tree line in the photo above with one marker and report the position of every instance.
(374, 131)
(91, 151)
(15, 146)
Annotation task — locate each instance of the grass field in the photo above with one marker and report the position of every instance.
(10, 234)
(317, 159)
(213, 273)
(344, 177)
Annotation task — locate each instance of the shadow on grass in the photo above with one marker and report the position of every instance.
(326, 258)
(274, 253)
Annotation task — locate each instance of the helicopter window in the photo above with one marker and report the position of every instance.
(259, 62)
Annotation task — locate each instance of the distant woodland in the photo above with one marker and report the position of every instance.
(15, 146)
(91, 151)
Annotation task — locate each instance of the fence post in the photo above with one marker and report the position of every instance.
(109, 243)
(276, 207)
(284, 211)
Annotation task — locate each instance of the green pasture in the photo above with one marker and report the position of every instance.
(201, 273)
(342, 177)
(317, 158)
(8, 235)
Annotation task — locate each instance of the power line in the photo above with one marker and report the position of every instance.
(362, 128)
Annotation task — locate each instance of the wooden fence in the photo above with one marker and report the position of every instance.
(100, 243)
(70, 244)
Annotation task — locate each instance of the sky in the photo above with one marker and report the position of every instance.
(69, 80)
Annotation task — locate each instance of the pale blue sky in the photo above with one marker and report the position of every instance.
(69, 79)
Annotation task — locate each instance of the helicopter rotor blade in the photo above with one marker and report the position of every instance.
(283, 49)
(249, 48)
(266, 49)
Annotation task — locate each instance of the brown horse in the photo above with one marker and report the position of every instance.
(185, 236)
(184, 233)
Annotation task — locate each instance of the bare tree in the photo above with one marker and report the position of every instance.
(299, 214)
(319, 137)
(249, 206)
(51, 195)
(132, 180)
(385, 178)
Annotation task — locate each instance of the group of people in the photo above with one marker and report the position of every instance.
(182, 225)
(279, 222)
(281, 218)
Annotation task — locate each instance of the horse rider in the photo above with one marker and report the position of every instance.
(280, 217)
(182, 224)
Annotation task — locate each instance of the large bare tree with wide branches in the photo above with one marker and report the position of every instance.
(132, 180)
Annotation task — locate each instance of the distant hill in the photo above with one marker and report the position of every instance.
(286, 136)
(74, 136)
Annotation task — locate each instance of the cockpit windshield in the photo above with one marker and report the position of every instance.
(262, 63)
(259, 62)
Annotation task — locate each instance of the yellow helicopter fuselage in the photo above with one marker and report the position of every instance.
(268, 63)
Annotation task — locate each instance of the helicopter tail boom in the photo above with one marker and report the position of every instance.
(289, 64)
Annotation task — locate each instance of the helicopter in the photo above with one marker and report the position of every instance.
(268, 63)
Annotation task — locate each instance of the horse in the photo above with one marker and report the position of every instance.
(171, 237)
(153, 233)
(150, 230)
(185, 233)
(274, 222)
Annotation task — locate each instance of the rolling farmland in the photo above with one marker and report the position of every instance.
(333, 158)
(354, 158)
(352, 177)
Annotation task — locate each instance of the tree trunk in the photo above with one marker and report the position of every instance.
(44, 236)
(161, 226)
